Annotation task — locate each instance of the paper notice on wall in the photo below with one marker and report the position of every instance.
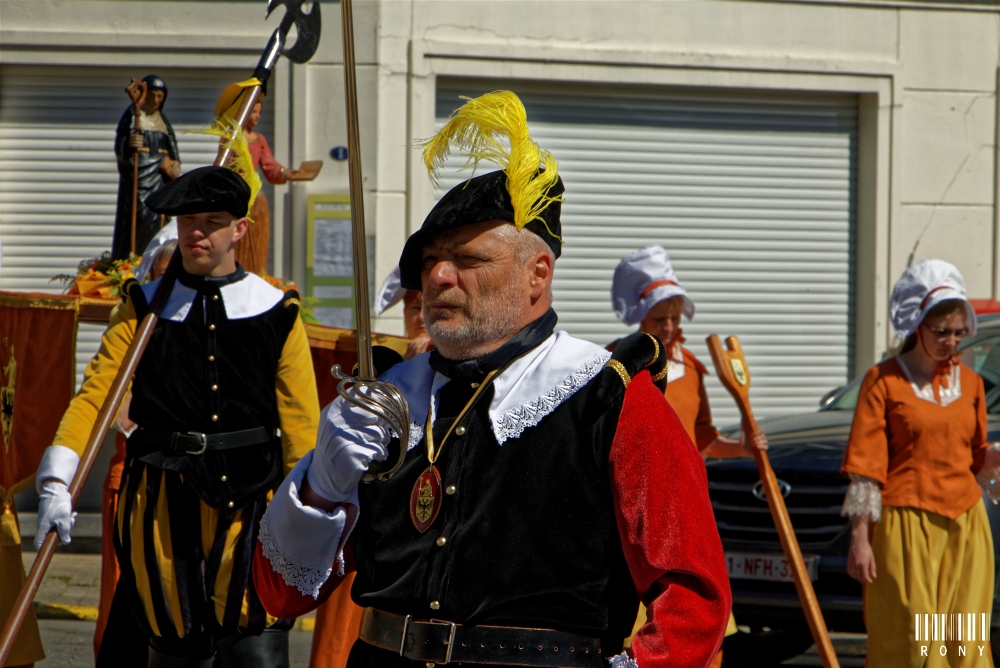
(332, 253)
(334, 316)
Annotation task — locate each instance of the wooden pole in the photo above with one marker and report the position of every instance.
(735, 376)
(137, 91)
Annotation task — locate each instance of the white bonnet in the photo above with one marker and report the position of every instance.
(390, 293)
(922, 287)
(642, 280)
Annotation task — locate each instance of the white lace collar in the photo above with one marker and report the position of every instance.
(948, 394)
(531, 388)
(245, 298)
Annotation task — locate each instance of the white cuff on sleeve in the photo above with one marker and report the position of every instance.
(301, 542)
(989, 477)
(58, 462)
(864, 497)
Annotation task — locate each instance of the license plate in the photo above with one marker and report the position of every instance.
(765, 566)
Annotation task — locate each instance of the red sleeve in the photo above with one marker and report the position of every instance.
(668, 533)
(283, 601)
(273, 171)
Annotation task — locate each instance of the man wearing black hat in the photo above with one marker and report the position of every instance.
(225, 402)
(159, 163)
(548, 486)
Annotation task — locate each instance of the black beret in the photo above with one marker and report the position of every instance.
(477, 200)
(202, 190)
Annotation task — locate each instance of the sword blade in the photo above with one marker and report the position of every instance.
(362, 314)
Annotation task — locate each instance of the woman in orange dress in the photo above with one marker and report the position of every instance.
(645, 291)
(920, 537)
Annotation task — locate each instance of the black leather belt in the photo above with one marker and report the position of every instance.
(144, 442)
(446, 642)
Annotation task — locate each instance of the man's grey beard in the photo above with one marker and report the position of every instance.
(495, 318)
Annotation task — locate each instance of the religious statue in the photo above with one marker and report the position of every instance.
(155, 148)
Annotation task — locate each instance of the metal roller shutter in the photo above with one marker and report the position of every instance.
(751, 194)
(58, 180)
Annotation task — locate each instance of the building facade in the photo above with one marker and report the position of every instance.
(792, 156)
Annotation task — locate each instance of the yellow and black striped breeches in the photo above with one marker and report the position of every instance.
(185, 564)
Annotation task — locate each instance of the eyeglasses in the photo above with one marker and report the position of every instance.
(958, 332)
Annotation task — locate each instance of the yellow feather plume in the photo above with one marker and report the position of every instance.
(239, 156)
(494, 128)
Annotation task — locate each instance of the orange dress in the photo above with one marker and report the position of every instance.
(932, 545)
(923, 454)
(686, 395)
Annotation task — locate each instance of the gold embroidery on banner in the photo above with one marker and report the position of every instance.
(7, 397)
(620, 370)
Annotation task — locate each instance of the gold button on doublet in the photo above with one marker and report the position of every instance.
(224, 478)
(441, 541)
(450, 490)
(230, 504)
(215, 298)
(215, 418)
(211, 358)
(435, 605)
(215, 388)
(211, 328)
(475, 385)
(460, 431)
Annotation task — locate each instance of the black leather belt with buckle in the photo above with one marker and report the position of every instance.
(434, 641)
(143, 441)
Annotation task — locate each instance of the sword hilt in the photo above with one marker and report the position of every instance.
(384, 401)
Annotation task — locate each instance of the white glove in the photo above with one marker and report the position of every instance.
(349, 439)
(54, 510)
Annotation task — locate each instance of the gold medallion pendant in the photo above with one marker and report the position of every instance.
(425, 499)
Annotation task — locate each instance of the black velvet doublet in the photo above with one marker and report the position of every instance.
(210, 374)
(530, 532)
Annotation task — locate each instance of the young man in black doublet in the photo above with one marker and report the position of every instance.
(548, 486)
(225, 404)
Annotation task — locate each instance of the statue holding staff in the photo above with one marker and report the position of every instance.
(154, 148)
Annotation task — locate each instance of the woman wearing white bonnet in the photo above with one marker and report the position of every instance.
(390, 294)
(920, 537)
(646, 292)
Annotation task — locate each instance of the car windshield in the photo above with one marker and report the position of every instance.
(981, 354)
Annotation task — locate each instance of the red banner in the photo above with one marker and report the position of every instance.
(37, 378)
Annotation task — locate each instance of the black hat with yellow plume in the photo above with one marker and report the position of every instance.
(526, 192)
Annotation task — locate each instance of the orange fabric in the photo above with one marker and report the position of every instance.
(251, 250)
(37, 377)
(652, 286)
(924, 455)
(338, 625)
(688, 398)
(109, 562)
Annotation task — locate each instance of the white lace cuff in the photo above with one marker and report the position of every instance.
(303, 543)
(58, 462)
(623, 660)
(989, 477)
(864, 497)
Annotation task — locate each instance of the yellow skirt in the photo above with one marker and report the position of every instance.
(930, 603)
